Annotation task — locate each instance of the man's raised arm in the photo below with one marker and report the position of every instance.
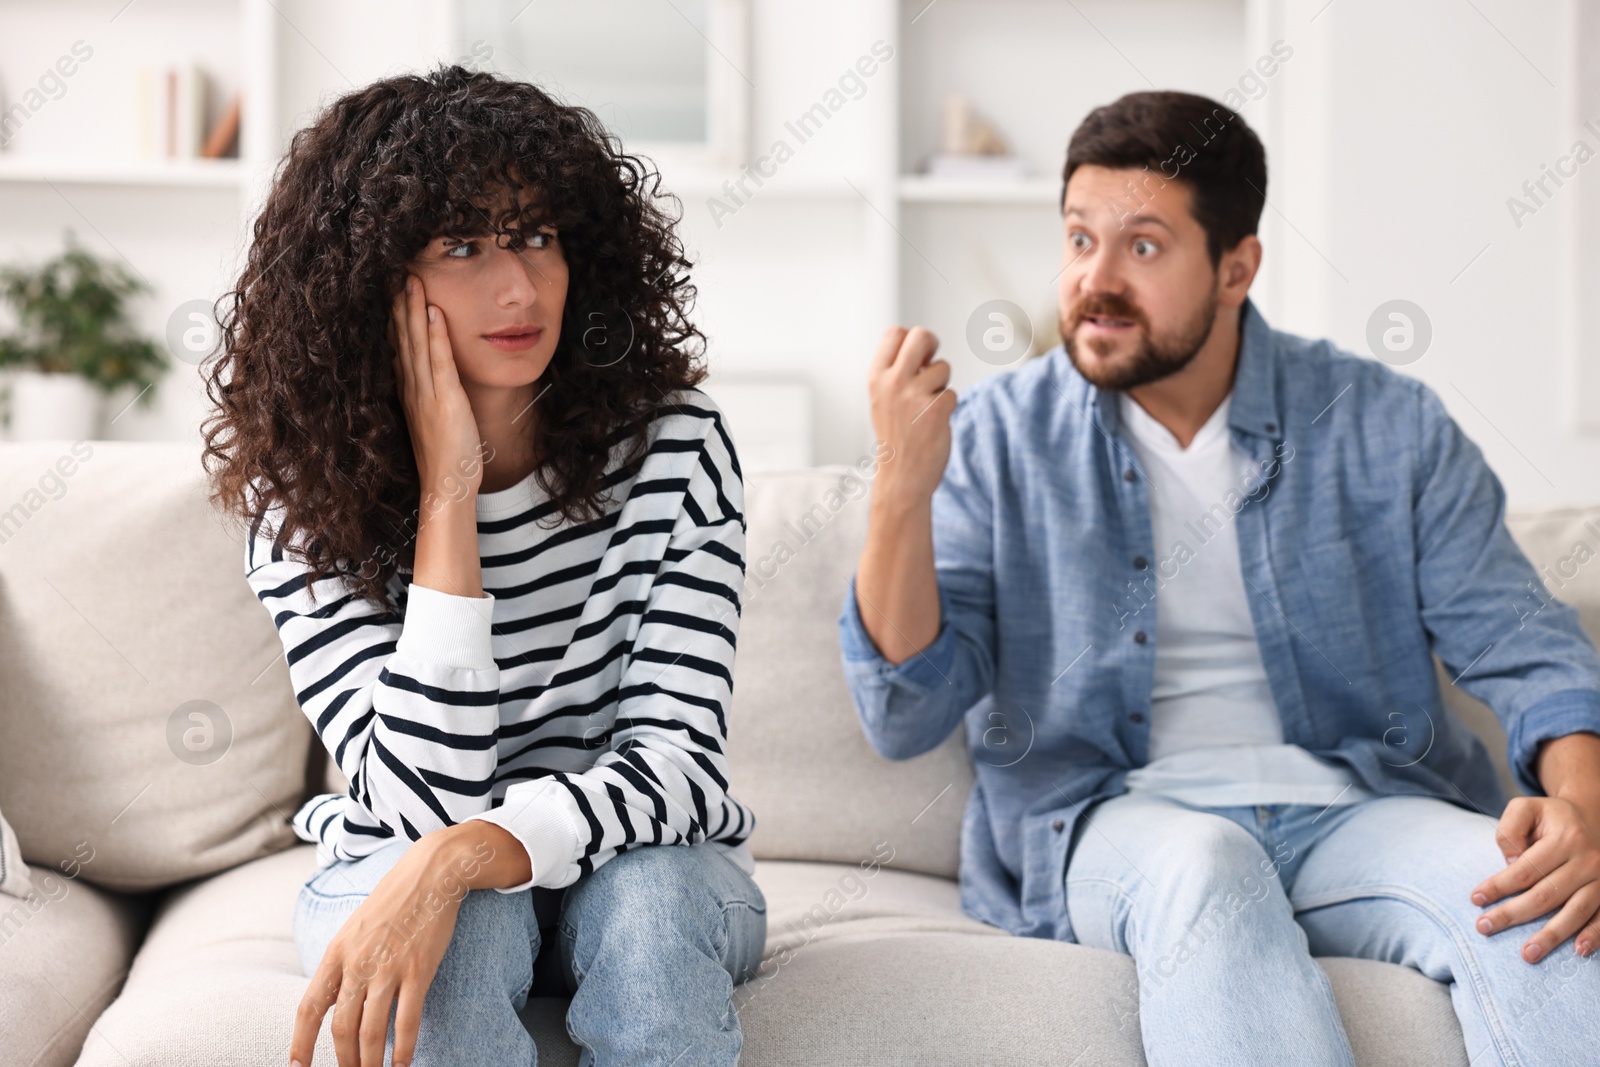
(918, 650)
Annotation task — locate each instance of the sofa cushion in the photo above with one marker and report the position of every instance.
(147, 713)
(966, 992)
(64, 952)
(864, 965)
(797, 753)
(217, 979)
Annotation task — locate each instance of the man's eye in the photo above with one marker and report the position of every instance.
(1080, 241)
(451, 251)
(542, 239)
(1144, 247)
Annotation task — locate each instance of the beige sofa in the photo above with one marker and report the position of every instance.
(151, 752)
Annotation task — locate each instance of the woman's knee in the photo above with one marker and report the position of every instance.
(647, 902)
(649, 884)
(491, 925)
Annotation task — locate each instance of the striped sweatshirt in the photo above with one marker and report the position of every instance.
(581, 703)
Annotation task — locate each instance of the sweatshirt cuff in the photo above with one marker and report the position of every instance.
(447, 629)
(535, 814)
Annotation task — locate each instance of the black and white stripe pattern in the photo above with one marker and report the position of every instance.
(581, 703)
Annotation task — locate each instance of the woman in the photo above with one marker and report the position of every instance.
(500, 532)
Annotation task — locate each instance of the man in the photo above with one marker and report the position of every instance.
(1181, 578)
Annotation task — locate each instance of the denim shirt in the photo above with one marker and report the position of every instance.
(1371, 537)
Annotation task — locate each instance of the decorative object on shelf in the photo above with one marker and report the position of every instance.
(73, 344)
(972, 147)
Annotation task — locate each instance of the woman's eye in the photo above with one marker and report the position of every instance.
(1080, 241)
(542, 239)
(1144, 247)
(451, 251)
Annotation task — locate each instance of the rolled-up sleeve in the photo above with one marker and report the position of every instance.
(1493, 625)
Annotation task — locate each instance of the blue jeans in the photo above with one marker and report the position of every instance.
(1223, 908)
(649, 946)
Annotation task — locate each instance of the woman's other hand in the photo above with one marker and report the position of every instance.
(387, 953)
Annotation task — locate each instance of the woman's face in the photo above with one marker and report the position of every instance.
(502, 309)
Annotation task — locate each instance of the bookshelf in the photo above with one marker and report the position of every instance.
(85, 127)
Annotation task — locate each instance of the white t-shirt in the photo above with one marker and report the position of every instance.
(1215, 734)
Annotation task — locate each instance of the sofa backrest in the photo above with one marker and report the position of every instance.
(146, 712)
(799, 757)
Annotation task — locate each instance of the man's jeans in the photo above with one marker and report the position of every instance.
(649, 946)
(1223, 908)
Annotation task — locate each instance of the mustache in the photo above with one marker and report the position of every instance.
(1110, 305)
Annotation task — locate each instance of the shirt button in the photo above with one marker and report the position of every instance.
(1058, 825)
(1272, 427)
(1140, 562)
(1128, 476)
(1140, 637)
(1136, 717)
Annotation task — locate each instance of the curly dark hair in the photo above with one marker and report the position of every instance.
(308, 417)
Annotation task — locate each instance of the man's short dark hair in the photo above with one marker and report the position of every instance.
(1182, 137)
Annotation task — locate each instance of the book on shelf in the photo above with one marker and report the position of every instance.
(224, 133)
(172, 104)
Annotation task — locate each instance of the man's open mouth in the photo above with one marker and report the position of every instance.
(1109, 322)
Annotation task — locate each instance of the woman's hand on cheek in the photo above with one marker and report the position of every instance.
(444, 431)
(387, 952)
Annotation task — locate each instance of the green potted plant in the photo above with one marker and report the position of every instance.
(73, 344)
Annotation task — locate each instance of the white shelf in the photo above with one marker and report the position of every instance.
(185, 173)
(920, 189)
(699, 184)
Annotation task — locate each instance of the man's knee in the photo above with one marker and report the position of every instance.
(1214, 854)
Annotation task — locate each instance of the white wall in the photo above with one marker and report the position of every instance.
(1406, 128)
